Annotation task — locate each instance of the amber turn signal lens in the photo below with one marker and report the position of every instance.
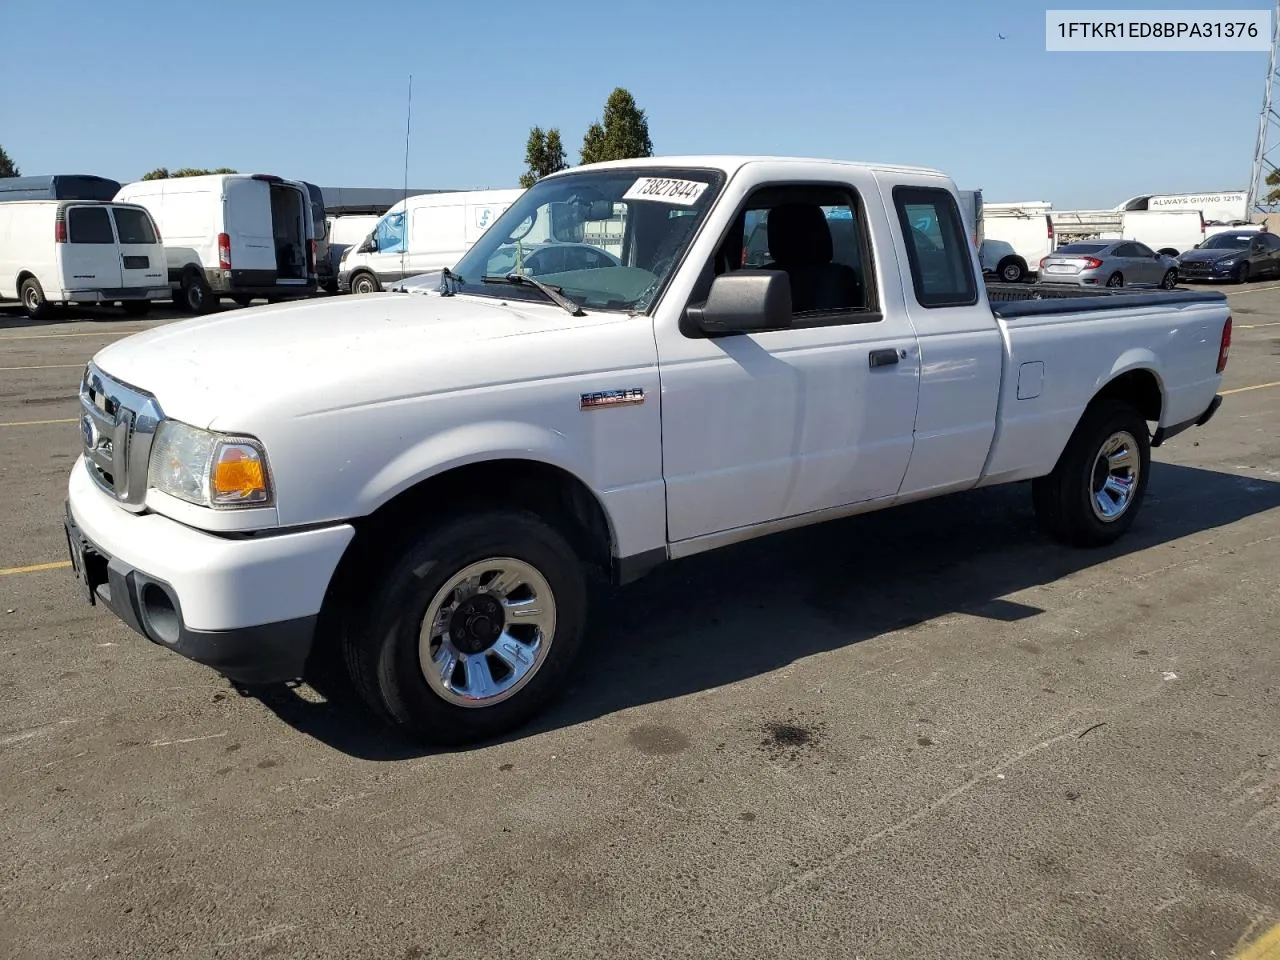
(238, 475)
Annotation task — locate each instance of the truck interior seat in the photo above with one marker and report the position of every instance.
(800, 244)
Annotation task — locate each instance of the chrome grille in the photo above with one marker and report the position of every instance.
(117, 426)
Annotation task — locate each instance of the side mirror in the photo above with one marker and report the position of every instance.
(744, 301)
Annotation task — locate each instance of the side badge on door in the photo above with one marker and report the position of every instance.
(607, 399)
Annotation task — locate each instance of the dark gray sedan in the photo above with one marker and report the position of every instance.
(1109, 263)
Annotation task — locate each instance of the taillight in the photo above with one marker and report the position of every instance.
(1202, 223)
(224, 252)
(311, 256)
(1092, 263)
(1043, 261)
(60, 231)
(1224, 348)
(1048, 222)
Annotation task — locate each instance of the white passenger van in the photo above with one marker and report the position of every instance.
(420, 234)
(232, 235)
(54, 252)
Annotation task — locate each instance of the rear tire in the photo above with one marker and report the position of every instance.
(194, 294)
(1242, 273)
(1093, 495)
(136, 308)
(1011, 270)
(1115, 280)
(1170, 280)
(33, 300)
(415, 611)
(365, 283)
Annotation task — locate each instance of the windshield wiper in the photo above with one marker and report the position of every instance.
(553, 293)
(449, 282)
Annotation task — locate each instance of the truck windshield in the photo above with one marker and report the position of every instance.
(609, 239)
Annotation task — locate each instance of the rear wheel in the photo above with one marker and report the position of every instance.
(365, 283)
(1242, 273)
(194, 294)
(33, 300)
(136, 308)
(1094, 492)
(471, 629)
(1170, 279)
(1011, 270)
(1115, 280)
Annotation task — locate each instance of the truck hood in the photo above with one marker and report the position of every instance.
(297, 358)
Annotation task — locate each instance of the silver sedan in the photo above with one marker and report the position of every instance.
(1109, 263)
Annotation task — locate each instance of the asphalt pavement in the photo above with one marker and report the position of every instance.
(928, 732)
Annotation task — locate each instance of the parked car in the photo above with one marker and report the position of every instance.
(418, 234)
(56, 252)
(999, 259)
(1109, 263)
(431, 481)
(241, 236)
(1235, 255)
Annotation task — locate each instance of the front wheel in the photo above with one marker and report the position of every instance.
(1242, 273)
(1094, 492)
(1170, 279)
(365, 283)
(194, 294)
(471, 629)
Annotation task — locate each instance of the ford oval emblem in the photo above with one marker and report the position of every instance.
(89, 431)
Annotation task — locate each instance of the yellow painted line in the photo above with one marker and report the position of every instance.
(1256, 386)
(51, 366)
(1240, 293)
(36, 423)
(35, 568)
(59, 336)
(1266, 947)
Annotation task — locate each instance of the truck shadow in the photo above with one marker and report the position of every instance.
(747, 610)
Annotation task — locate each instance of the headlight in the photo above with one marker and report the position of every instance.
(1228, 261)
(207, 468)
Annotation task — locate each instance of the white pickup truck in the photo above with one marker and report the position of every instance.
(430, 480)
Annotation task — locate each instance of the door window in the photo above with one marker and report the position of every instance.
(134, 226)
(937, 248)
(390, 233)
(1126, 251)
(1142, 250)
(814, 234)
(89, 225)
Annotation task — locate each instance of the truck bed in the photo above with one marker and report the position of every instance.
(1023, 299)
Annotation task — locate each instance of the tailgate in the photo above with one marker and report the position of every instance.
(248, 223)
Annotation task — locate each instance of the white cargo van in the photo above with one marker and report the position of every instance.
(232, 235)
(420, 234)
(55, 252)
(1166, 231)
(1027, 228)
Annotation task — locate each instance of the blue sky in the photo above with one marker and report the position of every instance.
(317, 90)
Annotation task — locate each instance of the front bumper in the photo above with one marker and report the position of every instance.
(245, 606)
(1207, 271)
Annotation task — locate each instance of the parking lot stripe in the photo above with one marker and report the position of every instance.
(1266, 947)
(51, 366)
(1238, 293)
(37, 423)
(1256, 386)
(59, 336)
(35, 568)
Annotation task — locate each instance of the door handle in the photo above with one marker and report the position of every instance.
(882, 358)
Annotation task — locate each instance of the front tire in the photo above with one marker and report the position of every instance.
(1242, 273)
(194, 294)
(1170, 279)
(1093, 495)
(471, 629)
(365, 283)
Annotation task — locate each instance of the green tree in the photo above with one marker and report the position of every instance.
(621, 134)
(7, 167)
(543, 155)
(1273, 181)
(162, 173)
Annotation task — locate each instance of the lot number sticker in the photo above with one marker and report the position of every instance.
(683, 192)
